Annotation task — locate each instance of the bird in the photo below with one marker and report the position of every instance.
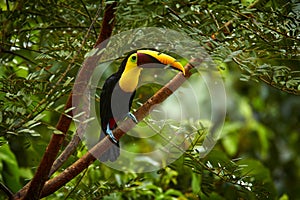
(119, 90)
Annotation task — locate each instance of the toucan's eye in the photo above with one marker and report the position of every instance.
(133, 58)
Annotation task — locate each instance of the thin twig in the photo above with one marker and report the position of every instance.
(6, 190)
(90, 17)
(77, 184)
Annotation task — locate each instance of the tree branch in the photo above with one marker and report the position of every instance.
(36, 184)
(107, 23)
(72, 171)
(82, 82)
(33, 189)
(78, 91)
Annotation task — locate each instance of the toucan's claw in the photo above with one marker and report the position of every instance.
(111, 135)
(132, 117)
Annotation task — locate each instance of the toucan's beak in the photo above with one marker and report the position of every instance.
(150, 59)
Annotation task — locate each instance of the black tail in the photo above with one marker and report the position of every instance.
(112, 153)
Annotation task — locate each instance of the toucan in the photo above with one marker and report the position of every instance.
(119, 89)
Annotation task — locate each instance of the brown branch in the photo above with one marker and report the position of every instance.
(33, 189)
(67, 152)
(41, 175)
(72, 171)
(78, 93)
(107, 23)
(82, 81)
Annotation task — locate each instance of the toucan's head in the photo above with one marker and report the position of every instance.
(140, 59)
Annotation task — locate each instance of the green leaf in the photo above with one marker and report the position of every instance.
(263, 186)
(196, 183)
(284, 197)
(10, 170)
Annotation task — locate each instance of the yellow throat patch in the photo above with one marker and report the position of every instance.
(130, 77)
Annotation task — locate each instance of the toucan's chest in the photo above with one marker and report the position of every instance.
(129, 79)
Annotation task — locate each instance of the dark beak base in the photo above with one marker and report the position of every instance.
(147, 61)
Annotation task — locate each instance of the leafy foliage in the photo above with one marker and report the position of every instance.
(37, 66)
(43, 44)
(261, 37)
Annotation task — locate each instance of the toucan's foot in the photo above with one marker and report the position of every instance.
(111, 135)
(132, 117)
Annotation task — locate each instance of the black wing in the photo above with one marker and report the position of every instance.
(105, 100)
(114, 106)
(106, 114)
